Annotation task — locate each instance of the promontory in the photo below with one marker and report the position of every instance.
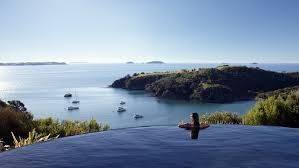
(215, 85)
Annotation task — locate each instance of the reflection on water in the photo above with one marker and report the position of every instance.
(194, 133)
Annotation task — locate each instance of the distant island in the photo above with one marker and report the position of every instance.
(155, 62)
(222, 84)
(151, 62)
(32, 63)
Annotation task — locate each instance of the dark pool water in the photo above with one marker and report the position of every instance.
(165, 146)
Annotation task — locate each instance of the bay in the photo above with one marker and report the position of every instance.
(41, 88)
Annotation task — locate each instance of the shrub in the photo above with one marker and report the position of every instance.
(67, 127)
(33, 137)
(2, 104)
(14, 121)
(221, 118)
(17, 105)
(213, 93)
(275, 111)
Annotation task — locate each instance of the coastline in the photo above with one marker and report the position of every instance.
(32, 63)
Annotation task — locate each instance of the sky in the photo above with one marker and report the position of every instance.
(174, 31)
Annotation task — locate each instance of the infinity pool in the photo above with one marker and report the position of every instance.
(165, 146)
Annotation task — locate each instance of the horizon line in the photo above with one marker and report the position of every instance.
(85, 62)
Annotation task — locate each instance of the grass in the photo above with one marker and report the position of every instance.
(223, 67)
(143, 74)
(16, 121)
(284, 93)
(210, 85)
(153, 73)
(221, 118)
(66, 127)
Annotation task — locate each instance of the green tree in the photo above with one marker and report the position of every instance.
(275, 111)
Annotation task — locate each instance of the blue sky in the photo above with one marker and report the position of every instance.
(144, 30)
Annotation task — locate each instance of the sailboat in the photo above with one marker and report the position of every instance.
(76, 101)
(121, 109)
(71, 108)
(137, 116)
(67, 95)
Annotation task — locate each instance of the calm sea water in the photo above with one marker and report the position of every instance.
(42, 88)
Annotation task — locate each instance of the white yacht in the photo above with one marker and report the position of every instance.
(68, 95)
(76, 101)
(136, 116)
(121, 109)
(71, 108)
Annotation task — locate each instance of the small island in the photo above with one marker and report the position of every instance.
(130, 62)
(222, 84)
(32, 63)
(156, 62)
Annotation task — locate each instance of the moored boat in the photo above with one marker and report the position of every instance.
(121, 109)
(75, 101)
(137, 116)
(68, 95)
(72, 108)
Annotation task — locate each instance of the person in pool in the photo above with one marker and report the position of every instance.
(194, 124)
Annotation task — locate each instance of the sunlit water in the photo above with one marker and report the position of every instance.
(42, 88)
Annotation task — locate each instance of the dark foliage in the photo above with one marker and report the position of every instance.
(12, 120)
(136, 82)
(2, 104)
(17, 105)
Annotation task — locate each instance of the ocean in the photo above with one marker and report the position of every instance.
(42, 88)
